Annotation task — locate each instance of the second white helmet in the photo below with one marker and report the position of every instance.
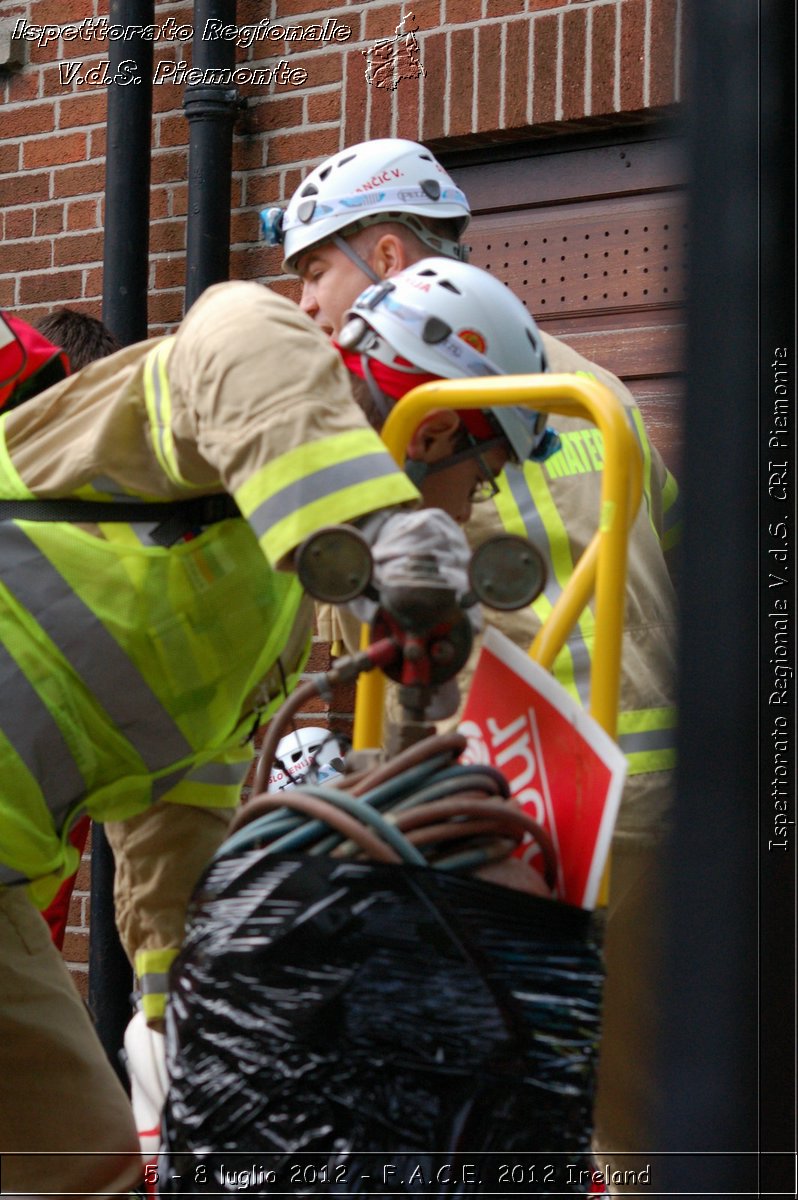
(387, 179)
(455, 321)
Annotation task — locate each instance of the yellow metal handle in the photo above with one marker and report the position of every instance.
(602, 566)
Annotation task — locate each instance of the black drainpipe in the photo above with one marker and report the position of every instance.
(211, 106)
(124, 311)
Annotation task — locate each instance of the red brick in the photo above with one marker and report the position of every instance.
(170, 272)
(538, 5)
(276, 112)
(602, 68)
(81, 982)
(489, 72)
(503, 8)
(51, 219)
(169, 166)
(7, 299)
(263, 189)
(381, 20)
(322, 68)
(408, 100)
(633, 22)
(59, 12)
(23, 189)
(544, 69)
(83, 877)
(323, 106)
(319, 658)
(381, 106)
(254, 262)
(75, 916)
(79, 181)
(355, 104)
(298, 147)
(179, 204)
(18, 223)
(172, 130)
(433, 56)
(287, 286)
(20, 87)
(78, 248)
(19, 122)
(248, 153)
(27, 256)
(662, 57)
(53, 287)
(83, 110)
(166, 307)
(306, 10)
(76, 947)
(9, 158)
(82, 215)
(461, 67)
(573, 64)
(98, 139)
(53, 151)
(160, 203)
(292, 179)
(93, 282)
(461, 12)
(516, 68)
(244, 227)
(167, 236)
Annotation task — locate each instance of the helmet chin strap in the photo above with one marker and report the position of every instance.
(352, 254)
(382, 402)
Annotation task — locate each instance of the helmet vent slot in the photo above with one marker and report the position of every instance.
(435, 330)
(309, 189)
(431, 188)
(445, 283)
(343, 161)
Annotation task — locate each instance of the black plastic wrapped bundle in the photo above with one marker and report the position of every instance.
(344, 1028)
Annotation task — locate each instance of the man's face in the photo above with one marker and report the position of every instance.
(331, 283)
(454, 488)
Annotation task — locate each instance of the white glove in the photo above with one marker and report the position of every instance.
(398, 536)
(145, 1052)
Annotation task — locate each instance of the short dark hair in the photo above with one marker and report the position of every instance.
(82, 338)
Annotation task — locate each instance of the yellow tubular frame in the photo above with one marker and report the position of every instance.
(602, 566)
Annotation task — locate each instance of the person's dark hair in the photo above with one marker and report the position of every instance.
(82, 338)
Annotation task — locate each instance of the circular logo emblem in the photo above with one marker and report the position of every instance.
(474, 338)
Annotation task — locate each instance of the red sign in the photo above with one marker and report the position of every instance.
(563, 769)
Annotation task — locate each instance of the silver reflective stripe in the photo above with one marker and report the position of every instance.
(31, 730)
(154, 981)
(650, 739)
(537, 533)
(91, 651)
(9, 877)
(318, 486)
(219, 774)
(161, 786)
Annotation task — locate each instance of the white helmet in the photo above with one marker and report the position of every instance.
(455, 321)
(312, 754)
(388, 179)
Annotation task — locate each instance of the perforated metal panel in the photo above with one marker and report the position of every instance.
(594, 243)
(599, 255)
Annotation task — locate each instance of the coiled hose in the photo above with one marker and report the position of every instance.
(422, 807)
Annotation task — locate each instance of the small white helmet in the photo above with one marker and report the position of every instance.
(311, 754)
(387, 179)
(455, 321)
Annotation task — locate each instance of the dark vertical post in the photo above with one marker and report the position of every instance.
(124, 311)
(210, 106)
(707, 1114)
(127, 174)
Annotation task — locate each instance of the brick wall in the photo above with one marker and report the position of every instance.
(485, 71)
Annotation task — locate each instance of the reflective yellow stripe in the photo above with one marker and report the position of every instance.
(647, 737)
(324, 482)
(11, 486)
(152, 970)
(158, 398)
(644, 762)
(512, 518)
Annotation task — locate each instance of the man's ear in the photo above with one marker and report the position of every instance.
(435, 437)
(390, 256)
